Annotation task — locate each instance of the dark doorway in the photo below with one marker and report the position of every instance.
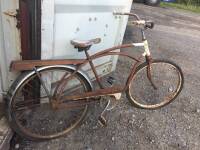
(30, 28)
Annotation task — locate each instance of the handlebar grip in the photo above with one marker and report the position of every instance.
(139, 22)
(149, 24)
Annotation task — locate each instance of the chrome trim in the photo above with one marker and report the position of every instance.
(138, 44)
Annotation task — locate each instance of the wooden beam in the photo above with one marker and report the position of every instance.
(30, 64)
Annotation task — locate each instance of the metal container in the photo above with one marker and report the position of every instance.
(9, 41)
(62, 21)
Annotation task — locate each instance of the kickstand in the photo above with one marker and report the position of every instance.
(101, 119)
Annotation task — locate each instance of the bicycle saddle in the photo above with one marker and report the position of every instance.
(85, 45)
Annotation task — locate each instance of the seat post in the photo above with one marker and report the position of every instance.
(93, 69)
(87, 55)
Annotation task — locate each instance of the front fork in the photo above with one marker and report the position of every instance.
(148, 58)
(149, 73)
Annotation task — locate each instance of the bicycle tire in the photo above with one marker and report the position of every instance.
(140, 77)
(35, 129)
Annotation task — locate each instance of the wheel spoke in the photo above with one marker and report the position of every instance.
(32, 111)
(23, 108)
(27, 102)
(168, 79)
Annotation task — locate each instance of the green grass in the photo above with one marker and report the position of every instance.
(192, 8)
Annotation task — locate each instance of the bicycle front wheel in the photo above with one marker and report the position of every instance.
(30, 110)
(168, 79)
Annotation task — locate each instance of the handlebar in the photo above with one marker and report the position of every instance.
(127, 14)
(147, 24)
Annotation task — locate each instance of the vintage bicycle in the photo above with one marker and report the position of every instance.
(51, 97)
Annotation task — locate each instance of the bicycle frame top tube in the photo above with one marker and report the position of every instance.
(146, 47)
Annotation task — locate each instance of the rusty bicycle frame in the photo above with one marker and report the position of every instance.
(102, 91)
(58, 100)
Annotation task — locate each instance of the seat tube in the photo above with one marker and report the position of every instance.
(93, 69)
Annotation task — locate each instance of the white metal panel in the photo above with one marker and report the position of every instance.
(9, 42)
(64, 20)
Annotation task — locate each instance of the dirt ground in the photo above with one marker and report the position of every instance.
(176, 37)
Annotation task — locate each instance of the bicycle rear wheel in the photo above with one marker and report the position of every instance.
(167, 77)
(30, 110)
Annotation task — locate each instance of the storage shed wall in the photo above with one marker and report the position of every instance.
(9, 42)
(63, 21)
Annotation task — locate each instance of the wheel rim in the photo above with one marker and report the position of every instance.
(147, 102)
(49, 123)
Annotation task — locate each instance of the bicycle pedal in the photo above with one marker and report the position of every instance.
(102, 121)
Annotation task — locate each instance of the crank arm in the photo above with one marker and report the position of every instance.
(102, 121)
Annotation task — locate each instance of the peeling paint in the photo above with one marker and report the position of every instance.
(9, 41)
(10, 13)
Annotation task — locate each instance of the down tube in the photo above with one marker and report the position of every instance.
(96, 56)
(105, 52)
